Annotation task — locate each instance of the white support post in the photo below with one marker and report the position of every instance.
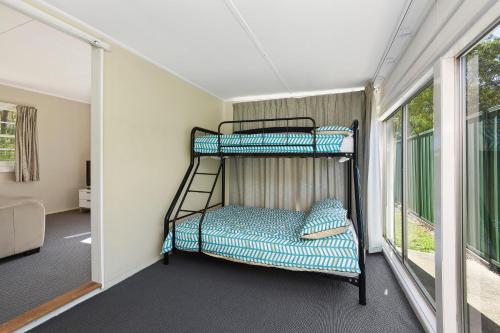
(96, 152)
(447, 196)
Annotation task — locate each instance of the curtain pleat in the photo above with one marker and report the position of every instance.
(26, 144)
(288, 182)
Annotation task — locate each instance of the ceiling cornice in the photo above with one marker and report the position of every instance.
(397, 49)
(403, 15)
(42, 92)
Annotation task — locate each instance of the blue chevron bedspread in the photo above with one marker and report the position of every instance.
(266, 236)
(248, 143)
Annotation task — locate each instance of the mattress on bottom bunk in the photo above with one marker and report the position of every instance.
(278, 143)
(269, 237)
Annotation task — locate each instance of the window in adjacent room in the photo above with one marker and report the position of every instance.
(481, 184)
(7, 136)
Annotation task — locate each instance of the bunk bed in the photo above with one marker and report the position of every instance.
(264, 236)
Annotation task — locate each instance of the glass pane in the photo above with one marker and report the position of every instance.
(7, 155)
(482, 186)
(420, 213)
(7, 131)
(7, 122)
(394, 230)
(8, 116)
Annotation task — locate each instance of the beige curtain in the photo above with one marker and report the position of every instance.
(26, 145)
(288, 183)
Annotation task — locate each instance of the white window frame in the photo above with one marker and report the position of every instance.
(424, 310)
(460, 68)
(7, 166)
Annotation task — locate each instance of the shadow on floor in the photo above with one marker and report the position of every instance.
(62, 264)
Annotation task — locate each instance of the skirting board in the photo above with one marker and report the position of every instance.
(61, 210)
(109, 283)
(375, 249)
(425, 313)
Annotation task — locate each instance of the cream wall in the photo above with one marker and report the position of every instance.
(64, 146)
(148, 115)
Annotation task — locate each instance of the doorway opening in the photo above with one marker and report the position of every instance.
(50, 168)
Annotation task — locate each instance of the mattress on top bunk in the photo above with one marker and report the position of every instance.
(269, 237)
(249, 143)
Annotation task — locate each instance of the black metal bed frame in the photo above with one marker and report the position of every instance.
(353, 176)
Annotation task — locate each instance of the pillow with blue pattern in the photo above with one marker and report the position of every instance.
(327, 203)
(334, 129)
(326, 218)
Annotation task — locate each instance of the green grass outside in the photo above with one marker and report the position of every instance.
(419, 238)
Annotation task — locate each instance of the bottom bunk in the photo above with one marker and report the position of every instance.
(269, 237)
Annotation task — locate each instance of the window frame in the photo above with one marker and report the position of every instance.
(461, 63)
(402, 257)
(7, 166)
(391, 243)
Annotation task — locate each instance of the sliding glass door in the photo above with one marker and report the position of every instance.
(394, 194)
(419, 175)
(481, 228)
(409, 212)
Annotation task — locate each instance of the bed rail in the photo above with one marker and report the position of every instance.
(263, 130)
(266, 130)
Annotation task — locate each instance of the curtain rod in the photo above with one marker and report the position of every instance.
(50, 20)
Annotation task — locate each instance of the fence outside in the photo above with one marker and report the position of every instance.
(420, 175)
(482, 221)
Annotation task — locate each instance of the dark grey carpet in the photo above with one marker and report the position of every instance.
(61, 265)
(202, 294)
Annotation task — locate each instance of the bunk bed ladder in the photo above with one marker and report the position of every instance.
(221, 165)
(189, 178)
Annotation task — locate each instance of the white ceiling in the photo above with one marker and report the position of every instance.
(39, 58)
(236, 48)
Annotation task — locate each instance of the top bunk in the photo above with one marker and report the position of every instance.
(273, 141)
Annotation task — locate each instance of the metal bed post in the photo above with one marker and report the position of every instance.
(314, 161)
(349, 189)
(359, 219)
(223, 182)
